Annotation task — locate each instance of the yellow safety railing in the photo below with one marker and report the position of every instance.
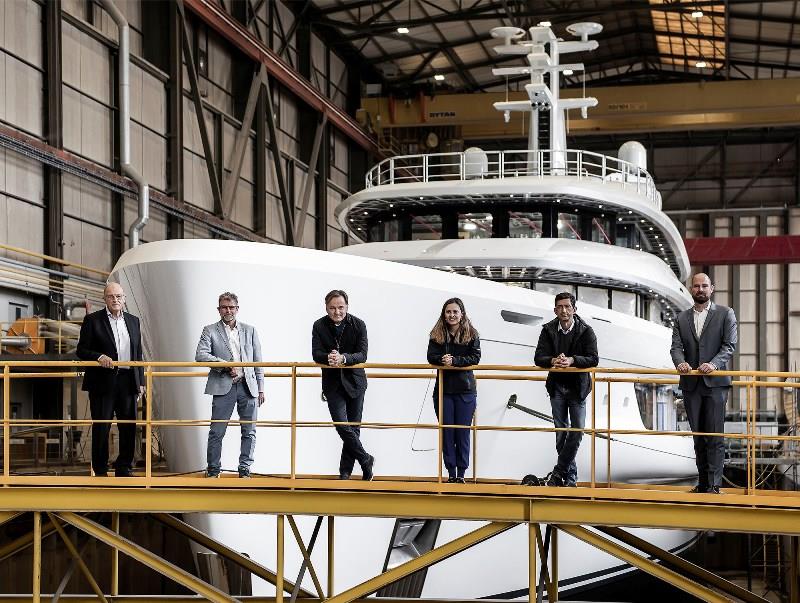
(294, 371)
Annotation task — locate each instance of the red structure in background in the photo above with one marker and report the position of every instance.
(783, 249)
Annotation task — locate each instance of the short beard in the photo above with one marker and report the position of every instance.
(700, 301)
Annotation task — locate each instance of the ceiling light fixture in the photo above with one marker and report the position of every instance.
(438, 77)
(701, 64)
(568, 72)
(697, 14)
(544, 24)
(403, 30)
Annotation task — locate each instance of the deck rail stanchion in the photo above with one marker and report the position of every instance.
(148, 426)
(6, 423)
(593, 375)
(475, 445)
(748, 438)
(608, 434)
(531, 555)
(331, 554)
(37, 557)
(293, 452)
(440, 403)
(114, 554)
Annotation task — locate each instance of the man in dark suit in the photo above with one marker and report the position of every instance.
(704, 338)
(107, 336)
(340, 339)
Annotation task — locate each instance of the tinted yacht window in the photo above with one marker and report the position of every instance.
(525, 224)
(568, 226)
(475, 226)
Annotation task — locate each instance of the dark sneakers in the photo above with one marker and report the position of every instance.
(344, 476)
(124, 473)
(698, 489)
(555, 480)
(366, 469)
(713, 490)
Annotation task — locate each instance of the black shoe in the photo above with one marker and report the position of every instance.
(212, 474)
(532, 480)
(244, 473)
(555, 480)
(99, 474)
(344, 476)
(713, 490)
(698, 489)
(124, 473)
(459, 480)
(452, 479)
(366, 469)
(571, 484)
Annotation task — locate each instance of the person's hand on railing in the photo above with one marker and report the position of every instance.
(683, 367)
(105, 361)
(706, 368)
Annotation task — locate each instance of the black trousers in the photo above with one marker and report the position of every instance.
(120, 401)
(705, 407)
(346, 408)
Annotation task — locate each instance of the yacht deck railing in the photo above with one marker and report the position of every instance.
(488, 165)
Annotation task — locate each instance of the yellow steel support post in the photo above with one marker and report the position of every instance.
(544, 572)
(148, 459)
(594, 432)
(794, 595)
(114, 557)
(425, 560)
(279, 562)
(652, 568)
(750, 452)
(37, 557)
(532, 561)
(554, 563)
(306, 556)
(608, 435)
(77, 557)
(293, 437)
(144, 556)
(330, 555)
(440, 403)
(6, 423)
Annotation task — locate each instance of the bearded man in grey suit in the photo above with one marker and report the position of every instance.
(704, 338)
(231, 341)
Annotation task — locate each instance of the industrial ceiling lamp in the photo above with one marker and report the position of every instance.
(401, 29)
(701, 64)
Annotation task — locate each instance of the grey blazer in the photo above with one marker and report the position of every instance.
(214, 347)
(716, 344)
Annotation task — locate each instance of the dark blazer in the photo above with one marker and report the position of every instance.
(716, 344)
(583, 350)
(464, 354)
(97, 339)
(353, 344)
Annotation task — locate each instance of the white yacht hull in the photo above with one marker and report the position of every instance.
(173, 286)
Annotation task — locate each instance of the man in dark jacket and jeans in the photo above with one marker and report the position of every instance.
(567, 341)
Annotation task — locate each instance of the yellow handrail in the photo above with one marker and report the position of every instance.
(73, 369)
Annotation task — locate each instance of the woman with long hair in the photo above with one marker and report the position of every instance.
(455, 342)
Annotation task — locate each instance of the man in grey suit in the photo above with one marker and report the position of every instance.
(704, 338)
(231, 341)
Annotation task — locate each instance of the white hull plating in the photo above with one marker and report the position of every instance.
(173, 286)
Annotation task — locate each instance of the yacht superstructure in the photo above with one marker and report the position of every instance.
(619, 253)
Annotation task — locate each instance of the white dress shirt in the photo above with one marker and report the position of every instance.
(236, 347)
(122, 338)
(568, 331)
(700, 319)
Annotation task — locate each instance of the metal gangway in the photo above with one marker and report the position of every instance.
(596, 512)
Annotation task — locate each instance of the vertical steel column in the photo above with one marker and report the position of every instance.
(279, 563)
(37, 557)
(287, 205)
(331, 553)
(114, 556)
(323, 175)
(260, 166)
(531, 555)
(175, 164)
(761, 316)
(117, 200)
(53, 135)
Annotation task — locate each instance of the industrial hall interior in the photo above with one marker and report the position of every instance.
(434, 300)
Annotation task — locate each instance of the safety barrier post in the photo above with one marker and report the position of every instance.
(749, 440)
(6, 423)
(554, 563)
(594, 432)
(475, 445)
(294, 423)
(531, 555)
(608, 434)
(440, 378)
(279, 563)
(148, 426)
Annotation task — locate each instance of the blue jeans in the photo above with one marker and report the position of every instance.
(458, 409)
(568, 411)
(222, 409)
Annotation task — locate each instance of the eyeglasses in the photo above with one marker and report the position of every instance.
(115, 296)
(228, 308)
